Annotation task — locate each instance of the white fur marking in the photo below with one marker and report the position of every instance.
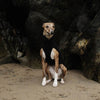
(55, 83)
(44, 81)
(62, 81)
(43, 54)
(52, 71)
(59, 71)
(52, 54)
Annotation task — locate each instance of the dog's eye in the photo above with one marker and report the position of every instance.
(53, 26)
(47, 26)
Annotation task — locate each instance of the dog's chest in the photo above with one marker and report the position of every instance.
(48, 53)
(49, 56)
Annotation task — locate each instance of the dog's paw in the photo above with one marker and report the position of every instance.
(55, 84)
(62, 81)
(44, 81)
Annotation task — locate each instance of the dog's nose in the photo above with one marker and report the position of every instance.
(52, 31)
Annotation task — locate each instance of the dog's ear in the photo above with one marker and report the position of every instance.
(43, 25)
(53, 23)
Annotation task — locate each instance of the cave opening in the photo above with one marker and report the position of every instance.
(74, 62)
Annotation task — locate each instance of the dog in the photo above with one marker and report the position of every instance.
(52, 65)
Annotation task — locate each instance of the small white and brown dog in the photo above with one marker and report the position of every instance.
(52, 65)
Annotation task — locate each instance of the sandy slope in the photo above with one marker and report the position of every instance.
(22, 83)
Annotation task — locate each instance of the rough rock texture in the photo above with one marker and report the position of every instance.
(77, 30)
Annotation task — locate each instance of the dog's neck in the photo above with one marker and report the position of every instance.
(47, 36)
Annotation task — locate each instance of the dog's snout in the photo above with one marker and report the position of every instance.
(51, 31)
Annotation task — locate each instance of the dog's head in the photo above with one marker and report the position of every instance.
(49, 29)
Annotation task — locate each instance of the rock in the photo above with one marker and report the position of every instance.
(91, 65)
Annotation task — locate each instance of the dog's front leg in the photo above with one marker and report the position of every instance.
(44, 67)
(55, 56)
(64, 70)
(55, 83)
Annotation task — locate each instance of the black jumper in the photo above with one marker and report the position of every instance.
(48, 45)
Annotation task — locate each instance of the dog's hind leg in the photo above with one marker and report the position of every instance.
(44, 67)
(49, 75)
(64, 70)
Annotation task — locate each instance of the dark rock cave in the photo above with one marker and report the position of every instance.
(77, 31)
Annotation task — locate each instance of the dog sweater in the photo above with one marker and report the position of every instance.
(48, 45)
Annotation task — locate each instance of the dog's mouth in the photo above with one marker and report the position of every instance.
(52, 33)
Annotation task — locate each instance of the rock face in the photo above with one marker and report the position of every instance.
(77, 30)
(91, 67)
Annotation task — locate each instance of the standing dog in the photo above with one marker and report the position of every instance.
(52, 65)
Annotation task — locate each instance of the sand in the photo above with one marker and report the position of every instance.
(19, 82)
